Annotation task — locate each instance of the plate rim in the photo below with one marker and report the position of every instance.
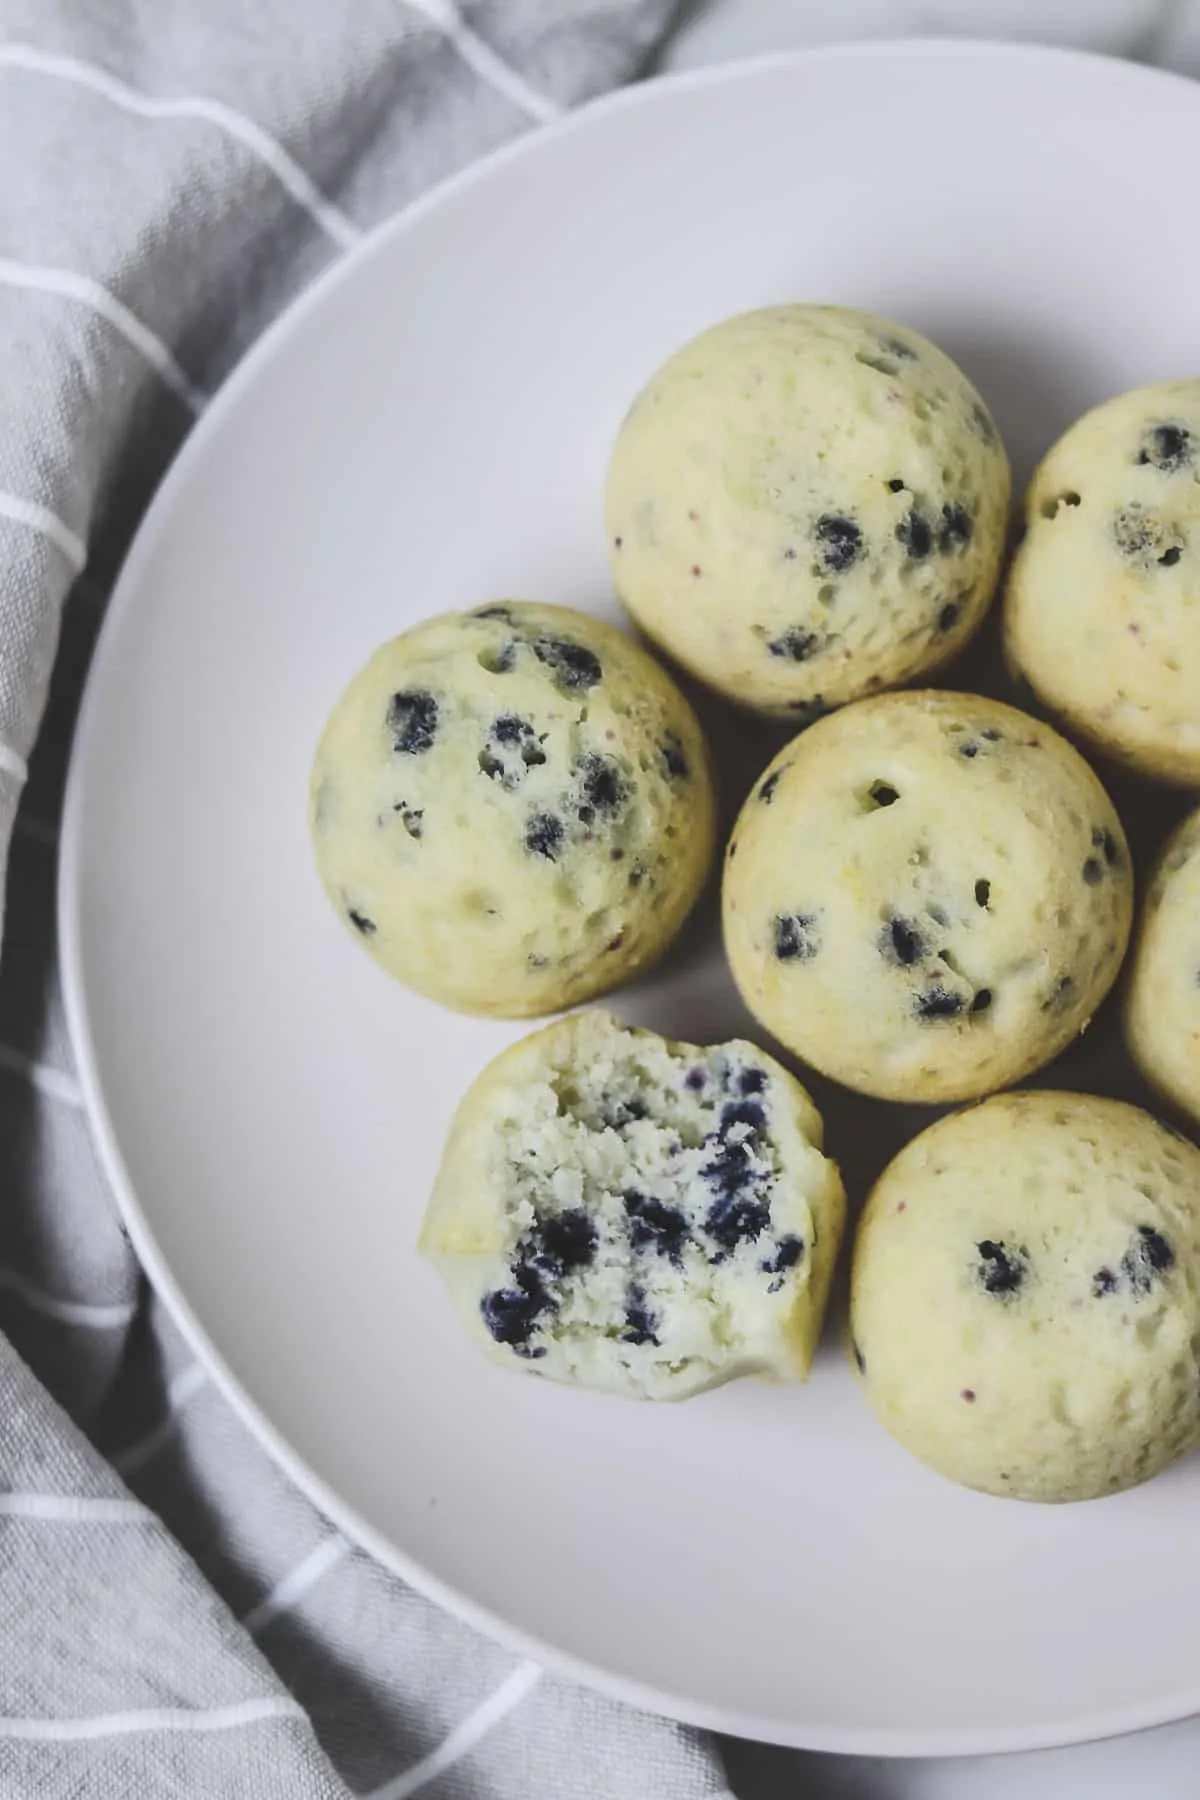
(155, 521)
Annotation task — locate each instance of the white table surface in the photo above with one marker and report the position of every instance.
(1155, 1765)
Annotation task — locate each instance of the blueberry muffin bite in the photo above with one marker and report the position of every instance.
(645, 1217)
(926, 896)
(1162, 1005)
(1025, 1311)
(806, 504)
(512, 808)
(1102, 610)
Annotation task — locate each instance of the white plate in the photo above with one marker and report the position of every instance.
(429, 429)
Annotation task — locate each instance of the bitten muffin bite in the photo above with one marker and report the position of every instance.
(512, 808)
(1102, 612)
(1162, 1009)
(926, 896)
(632, 1214)
(805, 504)
(1025, 1312)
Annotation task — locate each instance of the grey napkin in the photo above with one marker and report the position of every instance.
(175, 1618)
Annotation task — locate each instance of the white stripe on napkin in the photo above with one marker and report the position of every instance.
(89, 1314)
(75, 1509)
(67, 285)
(189, 1381)
(484, 61)
(12, 762)
(217, 1718)
(303, 190)
(463, 1739)
(39, 518)
(296, 1583)
(47, 1080)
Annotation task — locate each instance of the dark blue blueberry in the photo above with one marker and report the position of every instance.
(509, 729)
(743, 1112)
(1170, 556)
(557, 1244)
(1104, 1282)
(949, 615)
(788, 1252)
(794, 936)
(695, 1079)
(916, 534)
(981, 1000)
(766, 792)
(896, 486)
(839, 542)
(1093, 871)
(656, 1225)
(1167, 447)
(544, 836)
(938, 1003)
(752, 1081)
(511, 733)
(796, 645)
(510, 772)
(674, 762)
(575, 668)
(736, 1219)
(640, 1322)
(1148, 1256)
(560, 1242)
(954, 531)
(901, 942)
(360, 922)
(1000, 1270)
(412, 718)
(730, 1171)
(512, 1314)
(602, 787)
(883, 793)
